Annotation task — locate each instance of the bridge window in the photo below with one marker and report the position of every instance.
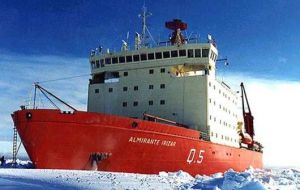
(182, 53)
(97, 63)
(128, 58)
(108, 61)
(158, 55)
(197, 52)
(151, 86)
(150, 56)
(151, 71)
(174, 53)
(135, 103)
(110, 90)
(125, 88)
(212, 55)
(93, 64)
(114, 60)
(162, 102)
(136, 57)
(143, 57)
(125, 74)
(150, 102)
(135, 88)
(102, 62)
(166, 54)
(124, 104)
(162, 70)
(96, 91)
(162, 86)
(122, 59)
(205, 52)
(190, 53)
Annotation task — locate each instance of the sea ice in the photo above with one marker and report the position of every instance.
(251, 179)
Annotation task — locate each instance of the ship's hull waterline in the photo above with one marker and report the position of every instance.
(56, 140)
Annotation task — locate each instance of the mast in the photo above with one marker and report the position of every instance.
(145, 31)
(45, 92)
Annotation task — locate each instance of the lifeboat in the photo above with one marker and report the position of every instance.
(246, 138)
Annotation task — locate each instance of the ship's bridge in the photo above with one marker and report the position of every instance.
(194, 57)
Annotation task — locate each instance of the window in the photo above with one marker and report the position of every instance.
(151, 71)
(97, 63)
(197, 52)
(125, 88)
(108, 61)
(174, 53)
(182, 53)
(162, 86)
(135, 103)
(125, 74)
(162, 70)
(128, 58)
(122, 59)
(102, 62)
(166, 54)
(151, 86)
(114, 60)
(96, 91)
(135, 88)
(158, 55)
(212, 55)
(190, 53)
(143, 57)
(110, 89)
(136, 57)
(162, 102)
(150, 102)
(150, 56)
(205, 52)
(124, 104)
(93, 64)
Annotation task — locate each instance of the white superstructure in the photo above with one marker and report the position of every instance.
(176, 82)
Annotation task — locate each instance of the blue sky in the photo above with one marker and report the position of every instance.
(48, 39)
(255, 35)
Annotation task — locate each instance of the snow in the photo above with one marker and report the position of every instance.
(36, 179)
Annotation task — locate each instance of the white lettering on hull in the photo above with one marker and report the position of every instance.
(192, 159)
(158, 142)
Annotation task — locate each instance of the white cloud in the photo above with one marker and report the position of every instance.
(282, 60)
(18, 73)
(275, 105)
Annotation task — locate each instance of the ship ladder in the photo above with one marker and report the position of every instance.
(15, 141)
(16, 147)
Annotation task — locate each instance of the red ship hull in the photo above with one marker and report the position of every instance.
(56, 140)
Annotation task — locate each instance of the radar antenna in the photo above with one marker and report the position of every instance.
(177, 26)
